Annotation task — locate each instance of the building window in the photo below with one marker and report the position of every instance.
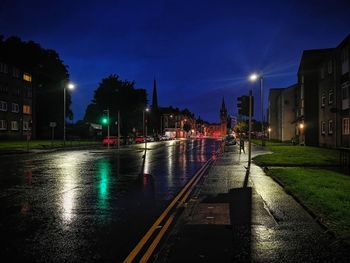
(16, 91)
(3, 105)
(345, 126)
(323, 100)
(25, 125)
(330, 127)
(27, 77)
(28, 92)
(3, 125)
(322, 72)
(4, 68)
(15, 107)
(26, 109)
(323, 127)
(329, 67)
(14, 125)
(330, 96)
(344, 60)
(15, 73)
(3, 88)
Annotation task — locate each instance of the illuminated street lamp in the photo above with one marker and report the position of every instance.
(253, 78)
(145, 126)
(69, 86)
(269, 129)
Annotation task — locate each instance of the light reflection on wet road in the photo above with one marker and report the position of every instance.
(90, 205)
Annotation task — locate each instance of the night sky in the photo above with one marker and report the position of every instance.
(199, 51)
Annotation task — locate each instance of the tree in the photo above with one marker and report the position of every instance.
(49, 75)
(116, 95)
(241, 127)
(187, 127)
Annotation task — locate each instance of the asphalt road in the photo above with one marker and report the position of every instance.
(90, 205)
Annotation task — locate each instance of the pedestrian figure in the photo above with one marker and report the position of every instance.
(241, 145)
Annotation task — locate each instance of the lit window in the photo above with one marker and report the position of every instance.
(330, 127)
(26, 109)
(14, 125)
(27, 77)
(3, 125)
(331, 96)
(323, 127)
(3, 105)
(345, 126)
(15, 107)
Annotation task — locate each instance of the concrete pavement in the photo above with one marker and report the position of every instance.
(235, 216)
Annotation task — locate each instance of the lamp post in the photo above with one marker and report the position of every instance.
(70, 86)
(145, 127)
(254, 77)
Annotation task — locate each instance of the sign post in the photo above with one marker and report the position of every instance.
(52, 125)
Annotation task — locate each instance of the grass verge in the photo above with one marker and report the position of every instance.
(289, 155)
(324, 192)
(42, 144)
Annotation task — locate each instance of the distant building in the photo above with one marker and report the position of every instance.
(16, 103)
(342, 93)
(307, 101)
(281, 113)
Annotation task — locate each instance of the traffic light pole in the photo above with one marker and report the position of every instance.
(107, 127)
(250, 130)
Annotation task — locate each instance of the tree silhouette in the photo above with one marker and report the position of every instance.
(116, 95)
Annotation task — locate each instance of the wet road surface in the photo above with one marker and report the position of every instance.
(90, 205)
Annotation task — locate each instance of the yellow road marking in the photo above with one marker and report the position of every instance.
(156, 241)
(149, 233)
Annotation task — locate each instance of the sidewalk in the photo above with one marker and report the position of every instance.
(236, 216)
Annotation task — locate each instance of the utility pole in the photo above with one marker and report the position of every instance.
(119, 130)
(250, 130)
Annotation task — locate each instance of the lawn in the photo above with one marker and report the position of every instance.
(42, 144)
(289, 155)
(324, 192)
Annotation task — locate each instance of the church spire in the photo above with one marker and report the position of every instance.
(223, 106)
(155, 97)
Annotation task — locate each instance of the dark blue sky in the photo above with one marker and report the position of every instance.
(199, 51)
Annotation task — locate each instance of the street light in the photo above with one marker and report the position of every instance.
(302, 126)
(253, 78)
(145, 126)
(69, 86)
(269, 129)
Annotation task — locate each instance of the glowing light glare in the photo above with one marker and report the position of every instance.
(301, 126)
(70, 86)
(147, 109)
(253, 77)
(269, 129)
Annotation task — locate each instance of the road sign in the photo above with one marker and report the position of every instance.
(53, 124)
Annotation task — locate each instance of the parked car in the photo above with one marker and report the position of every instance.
(150, 139)
(139, 139)
(164, 138)
(113, 140)
(230, 140)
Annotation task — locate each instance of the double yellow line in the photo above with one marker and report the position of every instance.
(179, 199)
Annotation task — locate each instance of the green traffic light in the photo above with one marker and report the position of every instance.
(104, 120)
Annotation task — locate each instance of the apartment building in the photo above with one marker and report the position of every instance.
(16, 103)
(281, 113)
